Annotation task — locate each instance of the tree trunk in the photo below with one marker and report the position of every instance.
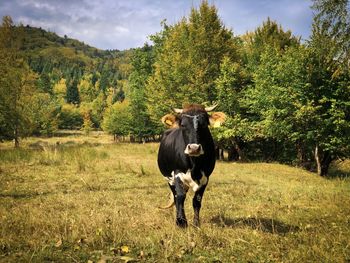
(16, 138)
(232, 154)
(301, 153)
(323, 160)
(318, 161)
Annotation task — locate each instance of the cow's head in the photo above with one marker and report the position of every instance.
(193, 120)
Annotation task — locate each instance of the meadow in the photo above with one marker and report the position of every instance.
(78, 198)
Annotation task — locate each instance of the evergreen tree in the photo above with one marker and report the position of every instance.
(72, 95)
(44, 83)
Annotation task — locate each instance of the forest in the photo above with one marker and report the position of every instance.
(286, 99)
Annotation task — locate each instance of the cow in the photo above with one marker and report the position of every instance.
(186, 156)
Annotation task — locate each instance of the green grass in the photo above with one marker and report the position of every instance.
(89, 200)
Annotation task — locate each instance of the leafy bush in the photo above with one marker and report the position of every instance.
(70, 117)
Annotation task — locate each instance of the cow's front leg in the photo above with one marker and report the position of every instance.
(179, 202)
(197, 203)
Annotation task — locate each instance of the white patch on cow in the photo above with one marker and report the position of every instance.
(187, 180)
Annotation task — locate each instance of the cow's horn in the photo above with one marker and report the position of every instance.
(211, 107)
(178, 110)
(170, 204)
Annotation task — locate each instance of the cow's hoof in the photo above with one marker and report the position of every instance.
(181, 222)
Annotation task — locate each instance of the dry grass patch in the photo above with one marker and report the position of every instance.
(91, 200)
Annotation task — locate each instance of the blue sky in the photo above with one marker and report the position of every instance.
(123, 24)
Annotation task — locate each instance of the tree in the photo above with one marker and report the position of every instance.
(116, 120)
(44, 83)
(87, 91)
(231, 81)
(44, 110)
(87, 124)
(141, 124)
(279, 105)
(17, 84)
(72, 95)
(332, 21)
(268, 34)
(328, 74)
(60, 90)
(188, 61)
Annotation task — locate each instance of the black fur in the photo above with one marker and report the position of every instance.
(171, 158)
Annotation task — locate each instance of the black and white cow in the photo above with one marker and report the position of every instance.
(186, 155)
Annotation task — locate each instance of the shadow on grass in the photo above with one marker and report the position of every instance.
(83, 189)
(338, 173)
(24, 195)
(266, 225)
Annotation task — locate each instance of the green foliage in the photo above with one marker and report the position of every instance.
(332, 22)
(188, 60)
(70, 117)
(99, 105)
(17, 84)
(72, 95)
(141, 124)
(276, 96)
(44, 83)
(229, 84)
(117, 119)
(269, 34)
(44, 114)
(87, 89)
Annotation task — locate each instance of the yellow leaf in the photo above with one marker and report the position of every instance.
(124, 249)
(58, 243)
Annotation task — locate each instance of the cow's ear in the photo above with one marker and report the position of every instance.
(170, 121)
(216, 119)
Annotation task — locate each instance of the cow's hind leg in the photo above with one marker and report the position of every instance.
(179, 202)
(197, 203)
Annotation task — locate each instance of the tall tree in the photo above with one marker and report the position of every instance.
(72, 95)
(329, 77)
(17, 84)
(188, 62)
(141, 124)
(267, 35)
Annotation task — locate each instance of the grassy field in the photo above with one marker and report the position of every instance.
(85, 199)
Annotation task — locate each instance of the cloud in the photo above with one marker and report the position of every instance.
(122, 24)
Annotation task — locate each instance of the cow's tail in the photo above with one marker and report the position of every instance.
(170, 204)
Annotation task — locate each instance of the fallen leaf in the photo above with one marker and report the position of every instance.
(58, 243)
(124, 249)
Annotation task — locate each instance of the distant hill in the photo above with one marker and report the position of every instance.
(35, 39)
(48, 52)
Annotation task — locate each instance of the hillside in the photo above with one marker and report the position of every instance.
(46, 52)
(37, 39)
(73, 74)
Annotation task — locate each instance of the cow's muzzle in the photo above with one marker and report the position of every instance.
(194, 149)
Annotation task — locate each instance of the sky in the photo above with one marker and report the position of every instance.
(124, 24)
